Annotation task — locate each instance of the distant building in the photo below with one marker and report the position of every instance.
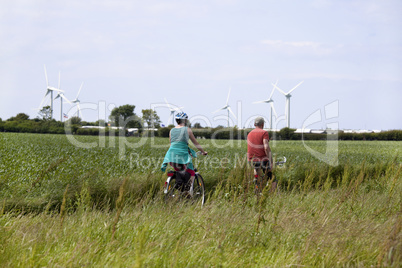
(317, 131)
(132, 130)
(332, 131)
(98, 127)
(273, 130)
(363, 131)
(303, 130)
(360, 131)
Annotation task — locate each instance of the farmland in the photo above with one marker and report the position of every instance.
(58, 205)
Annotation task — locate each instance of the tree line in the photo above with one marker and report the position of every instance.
(125, 116)
(120, 116)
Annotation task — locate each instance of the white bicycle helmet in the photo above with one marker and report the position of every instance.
(181, 115)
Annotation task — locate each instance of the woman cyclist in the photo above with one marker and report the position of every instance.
(179, 155)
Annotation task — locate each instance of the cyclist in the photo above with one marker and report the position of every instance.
(258, 151)
(179, 155)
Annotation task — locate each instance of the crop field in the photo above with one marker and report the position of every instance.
(98, 201)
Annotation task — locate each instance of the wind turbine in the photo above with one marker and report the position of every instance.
(61, 96)
(227, 107)
(287, 95)
(172, 111)
(50, 90)
(271, 102)
(77, 101)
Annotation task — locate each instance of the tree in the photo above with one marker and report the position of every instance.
(286, 133)
(124, 116)
(75, 120)
(151, 118)
(19, 117)
(197, 125)
(101, 123)
(46, 113)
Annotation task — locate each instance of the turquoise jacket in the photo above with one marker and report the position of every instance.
(179, 152)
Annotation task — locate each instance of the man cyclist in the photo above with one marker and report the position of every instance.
(259, 153)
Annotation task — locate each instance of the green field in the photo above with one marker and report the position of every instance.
(63, 205)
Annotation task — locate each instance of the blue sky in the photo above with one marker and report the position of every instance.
(192, 52)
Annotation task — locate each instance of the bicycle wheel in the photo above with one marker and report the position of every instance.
(199, 189)
(172, 190)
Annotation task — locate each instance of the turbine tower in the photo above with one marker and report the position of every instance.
(50, 90)
(227, 107)
(271, 102)
(61, 96)
(287, 95)
(77, 101)
(172, 111)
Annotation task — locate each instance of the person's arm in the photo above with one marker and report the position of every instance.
(195, 142)
(268, 151)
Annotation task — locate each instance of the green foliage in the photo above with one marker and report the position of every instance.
(164, 132)
(102, 132)
(75, 120)
(101, 123)
(67, 206)
(124, 116)
(151, 118)
(45, 113)
(197, 125)
(286, 133)
(19, 117)
(32, 126)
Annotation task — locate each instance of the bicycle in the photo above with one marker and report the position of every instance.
(259, 182)
(177, 186)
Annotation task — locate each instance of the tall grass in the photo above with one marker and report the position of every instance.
(349, 215)
(355, 224)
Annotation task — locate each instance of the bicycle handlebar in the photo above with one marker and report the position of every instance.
(281, 163)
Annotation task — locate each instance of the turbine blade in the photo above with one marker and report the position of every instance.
(280, 90)
(41, 103)
(64, 97)
(219, 110)
(227, 100)
(263, 101)
(170, 107)
(230, 110)
(79, 91)
(295, 87)
(273, 90)
(176, 109)
(58, 87)
(47, 81)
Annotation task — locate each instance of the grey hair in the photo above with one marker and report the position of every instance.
(259, 121)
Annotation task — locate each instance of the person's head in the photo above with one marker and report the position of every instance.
(259, 122)
(181, 118)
